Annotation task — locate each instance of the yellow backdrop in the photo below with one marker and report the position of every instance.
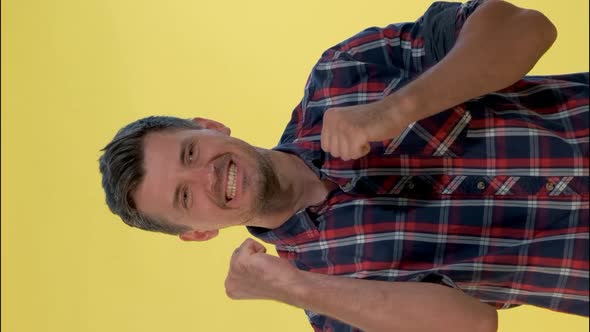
(74, 71)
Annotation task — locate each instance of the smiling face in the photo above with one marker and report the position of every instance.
(206, 180)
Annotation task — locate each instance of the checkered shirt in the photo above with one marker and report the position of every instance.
(489, 197)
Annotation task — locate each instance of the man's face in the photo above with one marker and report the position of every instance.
(204, 179)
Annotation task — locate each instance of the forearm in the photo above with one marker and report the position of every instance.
(391, 306)
(498, 45)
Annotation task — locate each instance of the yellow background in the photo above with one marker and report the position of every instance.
(73, 72)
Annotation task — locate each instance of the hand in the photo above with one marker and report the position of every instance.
(347, 131)
(253, 274)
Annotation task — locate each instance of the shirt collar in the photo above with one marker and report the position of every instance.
(296, 230)
(313, 156)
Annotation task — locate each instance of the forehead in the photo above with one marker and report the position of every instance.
(159, 146)
(154, 142)
(161, 156)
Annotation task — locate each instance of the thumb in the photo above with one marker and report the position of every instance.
(365, 149)
(253, 247)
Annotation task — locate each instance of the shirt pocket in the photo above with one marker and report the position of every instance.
(440, 135)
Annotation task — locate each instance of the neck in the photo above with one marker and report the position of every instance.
(304, 188)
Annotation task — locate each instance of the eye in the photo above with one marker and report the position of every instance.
(185, 198)
(190, 155)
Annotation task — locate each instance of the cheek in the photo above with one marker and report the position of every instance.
(205, 210)
(201, 203)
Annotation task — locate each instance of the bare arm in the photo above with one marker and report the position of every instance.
(368, 305)
(394, 306)
(498, 44)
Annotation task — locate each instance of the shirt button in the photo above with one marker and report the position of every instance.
(481, 185)
(549, 186)
(411, 185)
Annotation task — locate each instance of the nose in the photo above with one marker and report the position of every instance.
(204, 176)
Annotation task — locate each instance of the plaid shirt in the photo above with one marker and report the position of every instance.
(490, 197)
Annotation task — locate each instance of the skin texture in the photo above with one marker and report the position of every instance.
(263, 198)
(471, 69)
(370, 305)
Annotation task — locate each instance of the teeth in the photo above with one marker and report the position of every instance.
(230, 191)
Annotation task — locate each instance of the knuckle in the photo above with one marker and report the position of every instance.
(330, 114)
(230, 293)
(230, 290)
(236, 266)
(329, 111)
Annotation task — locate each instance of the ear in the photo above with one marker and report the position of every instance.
(213, 125)
(198, 235)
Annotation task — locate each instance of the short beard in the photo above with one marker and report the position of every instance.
(271, 197)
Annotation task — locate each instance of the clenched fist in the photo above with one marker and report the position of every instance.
(253, 274)
(347, 131)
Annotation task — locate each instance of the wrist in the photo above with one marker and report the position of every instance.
(305, 291)
(401, 109)
(292, 290)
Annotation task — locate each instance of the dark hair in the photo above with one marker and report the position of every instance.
(122, 168)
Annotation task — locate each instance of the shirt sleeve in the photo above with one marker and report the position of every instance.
(378, 61)
(410, 46)
(321, 323)
(441, 25)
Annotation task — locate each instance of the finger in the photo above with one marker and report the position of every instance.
(354, 146)
(251, 247)
(260, 248)
(365, 149)
(324, 139)
(345, 147)
(240, 250)
(257, 247)
(334, 146)
(326, 132)
(327, 137)
(361, 151)
(234, 255)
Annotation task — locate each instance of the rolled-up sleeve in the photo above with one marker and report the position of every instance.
(441, 25)
(379, 61)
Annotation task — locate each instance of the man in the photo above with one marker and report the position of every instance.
(421, 184)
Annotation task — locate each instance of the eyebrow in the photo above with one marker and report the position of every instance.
(183, 146)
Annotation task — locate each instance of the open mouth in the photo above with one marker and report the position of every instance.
(231, 185)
